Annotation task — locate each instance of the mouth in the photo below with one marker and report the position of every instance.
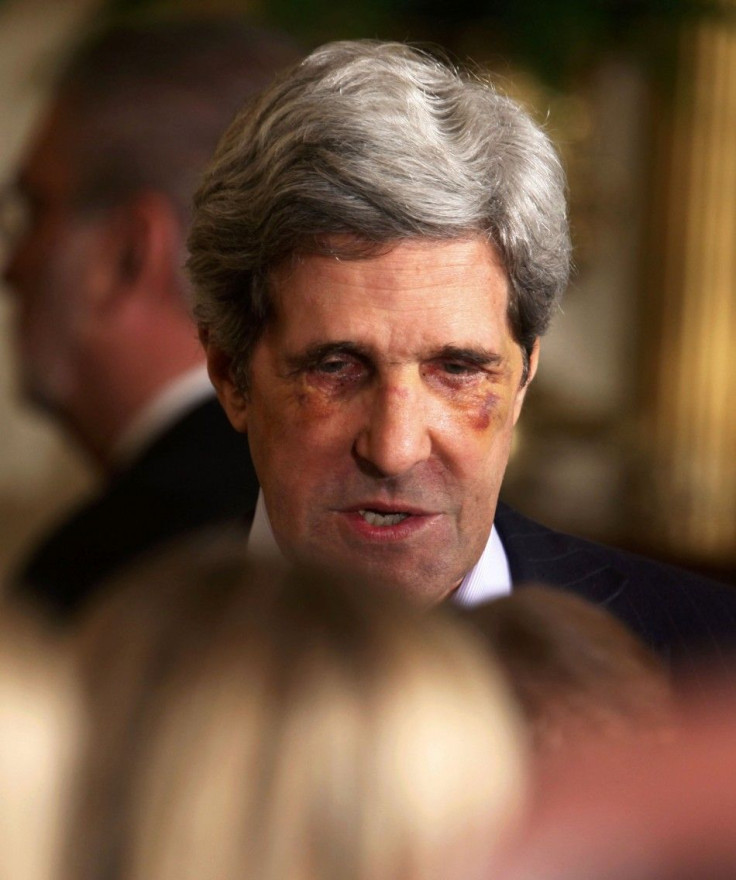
(378, 521)
(377, 518)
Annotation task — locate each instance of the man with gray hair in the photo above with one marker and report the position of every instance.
(105, 340)
(376, 249)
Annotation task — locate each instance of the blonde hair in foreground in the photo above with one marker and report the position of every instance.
(289, 725)
(39, 734)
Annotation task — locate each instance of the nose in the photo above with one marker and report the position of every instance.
(396, 435)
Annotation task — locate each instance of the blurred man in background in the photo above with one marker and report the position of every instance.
(105, 341)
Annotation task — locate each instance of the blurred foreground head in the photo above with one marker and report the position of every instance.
(105, 188)
(39, 733)
(642, 810)
(257, 721)
(578, 674)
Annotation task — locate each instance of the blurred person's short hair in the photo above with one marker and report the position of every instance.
(575, 670)
(254, 720)
(151, 97)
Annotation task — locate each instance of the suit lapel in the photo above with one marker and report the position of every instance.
(539, 555)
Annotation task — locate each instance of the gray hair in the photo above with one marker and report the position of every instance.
(377, 142)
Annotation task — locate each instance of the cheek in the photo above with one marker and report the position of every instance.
(482, 431)
(299, 425)
(321, 395)
(312, 404)
(49, 315)
(483, 412)
(331, 411)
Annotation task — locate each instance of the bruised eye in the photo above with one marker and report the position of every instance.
(339, 369)
(459, 369)
(333, 366)
(456, 374)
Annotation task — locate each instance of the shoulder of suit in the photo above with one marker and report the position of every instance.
(521, 535)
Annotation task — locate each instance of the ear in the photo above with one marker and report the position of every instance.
(219, 367)
(521, 392)
(142, 252)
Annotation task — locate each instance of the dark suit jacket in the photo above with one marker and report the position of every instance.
(198, 473)
(683, 617)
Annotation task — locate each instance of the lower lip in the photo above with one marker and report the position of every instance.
(413, 525)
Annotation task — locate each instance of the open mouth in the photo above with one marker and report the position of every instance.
(373, 518)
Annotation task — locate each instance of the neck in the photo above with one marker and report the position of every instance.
(118, 391)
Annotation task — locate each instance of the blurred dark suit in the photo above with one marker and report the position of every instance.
(196, 474)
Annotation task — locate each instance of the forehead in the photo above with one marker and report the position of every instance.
(443, 289)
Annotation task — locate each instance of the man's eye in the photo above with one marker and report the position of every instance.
(339, 369)
(458, 368)
(454, 373)
(333, 366)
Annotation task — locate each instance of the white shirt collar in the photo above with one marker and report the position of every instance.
(489, 578)
(261, 539)
(176, 398)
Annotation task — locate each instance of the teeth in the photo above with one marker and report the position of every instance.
(380, 519)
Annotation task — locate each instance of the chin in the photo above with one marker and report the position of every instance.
(423, 591)
(43, 395)
(421, 582)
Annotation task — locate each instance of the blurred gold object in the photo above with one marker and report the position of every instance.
(692, 422)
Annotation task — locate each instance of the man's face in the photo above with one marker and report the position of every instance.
(49, 270)
(380, 411)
